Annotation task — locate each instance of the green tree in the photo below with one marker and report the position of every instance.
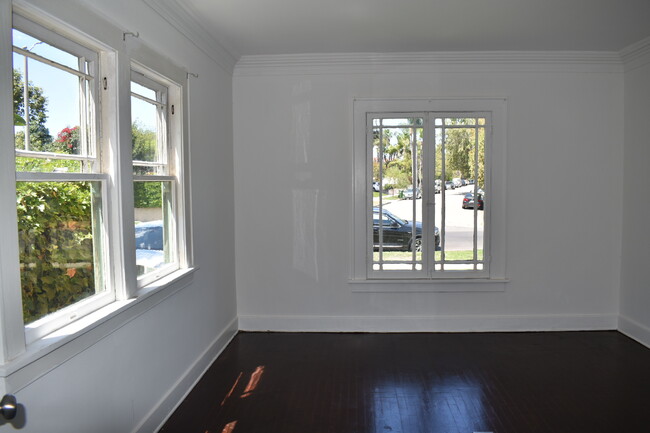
(145, 147)
(55, 240)
(39, 135)
(143, 143)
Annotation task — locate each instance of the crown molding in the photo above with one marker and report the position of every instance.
(636, 55)
(423, 62)
(185, 21)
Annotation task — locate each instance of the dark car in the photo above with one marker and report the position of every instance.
(398, 233)
(469, 202)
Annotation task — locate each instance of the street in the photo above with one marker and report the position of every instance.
(459, 227)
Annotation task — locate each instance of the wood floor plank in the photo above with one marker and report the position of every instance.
(573, 382)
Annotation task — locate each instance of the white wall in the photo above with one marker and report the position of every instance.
(118, 383)
(293, 179)
(635, 288)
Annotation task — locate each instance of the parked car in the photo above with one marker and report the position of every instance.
(469, 202)
(398, 233)
(457, 182)
(408, 194)
(449, 185)
(149, 245)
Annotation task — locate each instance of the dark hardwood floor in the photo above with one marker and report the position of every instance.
(559, 382)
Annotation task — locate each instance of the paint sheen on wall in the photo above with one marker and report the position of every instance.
(293, 183)
(635, 288)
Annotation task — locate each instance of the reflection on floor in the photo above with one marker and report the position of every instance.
(568, 382)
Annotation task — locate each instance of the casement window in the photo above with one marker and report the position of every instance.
(155, 183)
(428, 182)
(99, 199)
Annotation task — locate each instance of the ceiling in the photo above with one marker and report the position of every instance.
(248, 27)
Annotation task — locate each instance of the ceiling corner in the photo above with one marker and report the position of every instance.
(189, 26)
(637, 54)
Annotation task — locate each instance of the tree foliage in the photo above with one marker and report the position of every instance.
(393, 154)
(56, 249)
(145, 147)
(39, 135)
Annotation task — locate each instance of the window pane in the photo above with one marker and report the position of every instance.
(60, 261)
(147, 135)
(402, 122)
(30, 43)
(463, 196)
(155, 243)
(143, 91)
(397, 197)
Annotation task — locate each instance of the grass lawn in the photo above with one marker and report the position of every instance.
(375, 196)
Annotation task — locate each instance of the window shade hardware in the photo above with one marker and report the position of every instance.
(135, 35)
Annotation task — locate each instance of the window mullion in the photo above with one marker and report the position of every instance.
(26, 101)
(443, 193)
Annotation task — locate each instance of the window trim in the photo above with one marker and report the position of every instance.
(20, 364)
(171, 94)
(92, 149)
(495, 253)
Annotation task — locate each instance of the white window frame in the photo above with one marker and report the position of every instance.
(168, 97)
(495, 218)
(21, 360)
(91, 152)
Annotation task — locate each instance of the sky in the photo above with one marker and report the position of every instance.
(61, 88)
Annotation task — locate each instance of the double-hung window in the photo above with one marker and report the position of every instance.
(155, 186)
(61, 182)
(86, 194)
(428, 182)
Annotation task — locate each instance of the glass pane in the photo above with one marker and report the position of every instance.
(143, 91)
(53, 115)
(46, 165)
(460, 121)
(397, 197)
(43, 49)
(463, 199)
(402, 121)
(147, 133)
(60, 261)
(155, 243)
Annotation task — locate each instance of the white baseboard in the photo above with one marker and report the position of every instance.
(551, 322)
(155, 419)
(634, 330)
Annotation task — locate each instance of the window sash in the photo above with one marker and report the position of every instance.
(431, 268)
(163, 141)
(88, 153)
(104, 293)
(166, 168)
(88, 88)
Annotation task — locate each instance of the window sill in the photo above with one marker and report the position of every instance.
(429, 285)
(56, 348)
